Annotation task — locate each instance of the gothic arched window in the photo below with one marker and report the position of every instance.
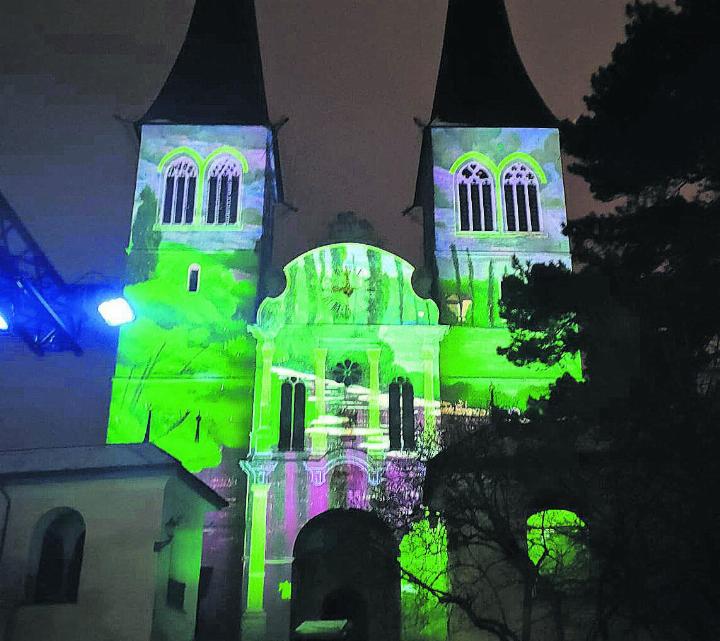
(401, 415)
(522, 200)
(179, 193)
(292, 416)
(57, 554)
(224, 183)
(474, 192)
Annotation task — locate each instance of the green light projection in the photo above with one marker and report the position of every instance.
(347, 284)
(471, 264)
(348, 352)
(186, 365)
(345, 303)
(555, 544)
(348, 326)
(423, 554)
(285, 590)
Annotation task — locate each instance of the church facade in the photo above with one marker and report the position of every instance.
(297, 401)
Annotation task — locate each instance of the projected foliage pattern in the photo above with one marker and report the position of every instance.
(350, 332)
(336, 383)
(493, 187)
(186, 363)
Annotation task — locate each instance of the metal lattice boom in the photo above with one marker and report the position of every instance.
(41, 303)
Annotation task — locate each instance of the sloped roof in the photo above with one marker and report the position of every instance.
(482, 81)
(217, 77)
(131, 458)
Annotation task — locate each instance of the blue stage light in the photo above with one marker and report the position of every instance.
(116, 311)
(4, 326)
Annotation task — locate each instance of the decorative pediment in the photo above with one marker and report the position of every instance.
(347, 284)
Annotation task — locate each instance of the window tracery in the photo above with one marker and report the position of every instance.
(474, 191)
(223, 191)
(179, 192)
(521, 195)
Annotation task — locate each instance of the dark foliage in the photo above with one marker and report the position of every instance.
(652, 122)
(641, 307)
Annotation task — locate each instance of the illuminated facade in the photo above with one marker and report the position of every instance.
(186, 366)
(498, 194)
(298, 404)
(348, 369)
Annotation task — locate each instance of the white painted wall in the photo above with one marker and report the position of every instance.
(123, 581)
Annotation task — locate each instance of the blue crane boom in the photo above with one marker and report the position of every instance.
(41, 304)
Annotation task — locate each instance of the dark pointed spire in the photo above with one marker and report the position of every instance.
(482, 80)
(217, 77)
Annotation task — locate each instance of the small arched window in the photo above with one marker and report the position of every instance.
(474, 192)
(224, 184)
(179, 194)
(522, 200)
(193, 279)
(556, 544)
(292, 415)
(57, 554)
(401, 415)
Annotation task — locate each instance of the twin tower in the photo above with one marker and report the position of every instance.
(206, 363)
(298, 402)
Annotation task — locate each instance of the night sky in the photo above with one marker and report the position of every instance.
(350, 76)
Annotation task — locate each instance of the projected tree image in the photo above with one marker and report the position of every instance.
(189, 354)
(498, 195)
(337, 386)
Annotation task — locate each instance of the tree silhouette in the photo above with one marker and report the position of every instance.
(634, 445)
(641, 308)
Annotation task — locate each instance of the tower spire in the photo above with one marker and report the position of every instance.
(482, 80)
(217, 76)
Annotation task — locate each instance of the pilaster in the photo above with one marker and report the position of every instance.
(254, 617)
(319, 439)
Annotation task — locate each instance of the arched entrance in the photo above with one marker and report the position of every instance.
(345, 567)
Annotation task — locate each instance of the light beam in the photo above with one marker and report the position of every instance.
(116, 311)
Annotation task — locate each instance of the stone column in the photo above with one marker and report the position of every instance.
(374, 388)
(254, 618)
(319, 440)
(428, 356)
(373, 354)
(268, 351)
(263, 396)
(258, 531)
